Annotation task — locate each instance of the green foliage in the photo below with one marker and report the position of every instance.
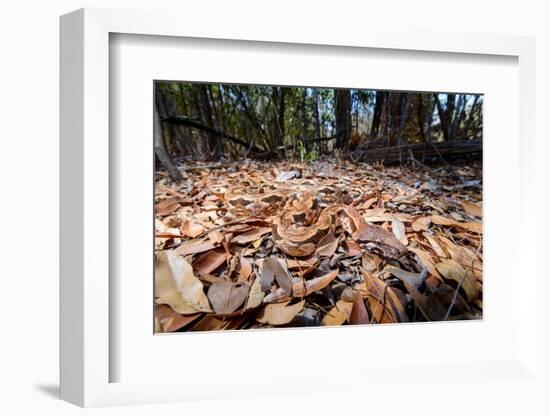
(305, 156)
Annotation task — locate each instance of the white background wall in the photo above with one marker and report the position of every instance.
(29, 177)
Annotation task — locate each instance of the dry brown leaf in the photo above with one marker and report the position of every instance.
(398, 229)
(163, 233)
(210, 261)
(384, 304)
(255, 296)
(339, 314)
(359, 314)
(327, 245)
(273, 269)
(352, 248)
(435, 245)
(226, 297)
(421, 224)
(245, 269)
(190, 229)
(280, 313)
(195, 246)
(413, 279)
(170, 321)
(251, 235)
(426, 260)
(473, 226)
(452, 270)
(215, 236)
(177, 286)
(472, 209)
(167, 206)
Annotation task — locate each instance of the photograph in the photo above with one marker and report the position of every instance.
(281, 206)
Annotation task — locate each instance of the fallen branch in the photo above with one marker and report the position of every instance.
(185, 121)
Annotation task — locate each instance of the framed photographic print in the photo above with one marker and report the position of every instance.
(271, 205)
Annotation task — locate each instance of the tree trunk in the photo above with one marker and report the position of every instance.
(342, 116)
(282, 114)
(377, 116)
(160, 147)
(206, 116)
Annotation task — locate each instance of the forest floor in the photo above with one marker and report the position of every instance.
(219, 267)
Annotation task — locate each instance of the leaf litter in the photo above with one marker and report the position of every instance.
(215, 270)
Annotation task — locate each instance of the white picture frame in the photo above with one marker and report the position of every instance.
(86, 353)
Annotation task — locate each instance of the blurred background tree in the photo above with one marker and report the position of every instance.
(204, 121)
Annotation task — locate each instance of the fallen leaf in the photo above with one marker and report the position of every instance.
(245, 269)
(251, 235)
(167, 206)
(359, 314)
(327, 245)
(384, 305)
(452, 270)
(421, 224)
(210, 261)
(472, 226)
(255, 296)
(170, 321)
(398, 229)
(435, 245)
(215, 236)
(426, 260)
(413, 279)
(280, 313)
(226, 297)
(339, 314)
(272, 269)
(177, 286)
(472, 209)
(190, 229)
(195, 246)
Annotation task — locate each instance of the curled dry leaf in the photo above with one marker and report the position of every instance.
(413, 279)
(452, 270)
(226, 297)
(435, 245)
(359, 314)
(272, 269)
(280, 313)
(426, 260)
(190, 229)
(170, 321)
(210, 261)
(199, 245)
(163, 233)
(384, 304)
(473, 226)
(421, 224)
(352, 248)
(472, 209)
(177, 286)
(398, 229)
(255, 296)
(215, 236)
(251, 235)
(245, 269)
(167, 206)
(327, 245)
(339, 314)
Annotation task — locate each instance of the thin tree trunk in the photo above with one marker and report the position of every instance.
(160, 147)
(342, 109)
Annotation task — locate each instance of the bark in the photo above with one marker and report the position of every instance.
(342, 110)
(378, 111)
(160, 147)
(206, 116)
